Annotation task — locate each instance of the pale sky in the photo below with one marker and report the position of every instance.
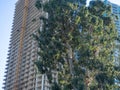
(6, 20)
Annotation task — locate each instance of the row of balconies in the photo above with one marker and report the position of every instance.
(16, 28)
(9, 81)
(14, 43)
(26, 82)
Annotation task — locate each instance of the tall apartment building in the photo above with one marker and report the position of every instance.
(20, 69)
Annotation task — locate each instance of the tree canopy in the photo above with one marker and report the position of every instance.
(77, 42)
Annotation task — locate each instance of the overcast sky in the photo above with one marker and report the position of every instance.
(6, 20)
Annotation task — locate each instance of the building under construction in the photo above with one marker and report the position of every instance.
(20, 69)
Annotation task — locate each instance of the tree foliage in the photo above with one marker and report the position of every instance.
(77, 42)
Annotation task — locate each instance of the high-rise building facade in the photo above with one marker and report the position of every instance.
(20, 68)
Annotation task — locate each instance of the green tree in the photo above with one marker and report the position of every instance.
(77, 42)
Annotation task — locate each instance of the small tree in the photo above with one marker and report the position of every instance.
(77, 42)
